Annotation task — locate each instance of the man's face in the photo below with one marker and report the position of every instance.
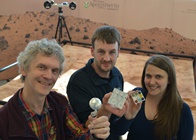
(105, 56)
(41, 75)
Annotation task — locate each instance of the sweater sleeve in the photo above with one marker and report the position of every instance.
(117, 128)
(186, 129)
(79, 96)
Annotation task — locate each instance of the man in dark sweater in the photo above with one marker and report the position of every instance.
(98, 77)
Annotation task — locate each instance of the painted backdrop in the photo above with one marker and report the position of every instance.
(179, 15)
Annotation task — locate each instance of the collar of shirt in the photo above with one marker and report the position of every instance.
(28, 112)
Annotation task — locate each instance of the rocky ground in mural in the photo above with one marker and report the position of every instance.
(16, 30)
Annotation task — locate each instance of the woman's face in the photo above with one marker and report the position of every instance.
(156, 80)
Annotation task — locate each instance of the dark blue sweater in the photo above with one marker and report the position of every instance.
(85, 84)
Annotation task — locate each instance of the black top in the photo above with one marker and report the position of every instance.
(143, 129)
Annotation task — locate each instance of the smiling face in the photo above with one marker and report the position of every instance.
(105, 56)
(156, 80)
(41, 75)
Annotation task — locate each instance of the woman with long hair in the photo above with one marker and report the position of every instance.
(163, 115)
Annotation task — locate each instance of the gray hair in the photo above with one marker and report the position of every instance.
(43, 46)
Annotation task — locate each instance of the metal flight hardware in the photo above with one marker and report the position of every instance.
(95, 104)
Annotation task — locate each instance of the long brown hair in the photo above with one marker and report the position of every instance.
(170, 106)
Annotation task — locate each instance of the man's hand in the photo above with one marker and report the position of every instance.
(99, 127)
(129, 110)
(112, 109)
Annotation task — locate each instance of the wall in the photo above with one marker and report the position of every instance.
(180, 15)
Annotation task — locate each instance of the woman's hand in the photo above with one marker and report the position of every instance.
(131, 108)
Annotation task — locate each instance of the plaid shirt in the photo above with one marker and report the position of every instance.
(43, 126)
